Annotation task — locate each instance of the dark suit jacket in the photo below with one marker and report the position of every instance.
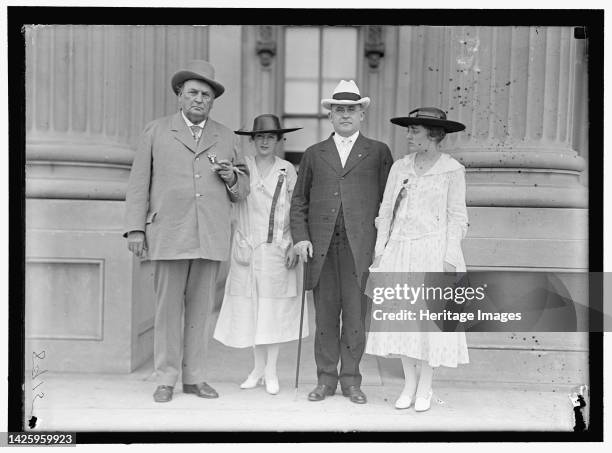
(323, 186)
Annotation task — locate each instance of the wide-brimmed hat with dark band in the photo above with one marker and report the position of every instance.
(346, 93)
(266, 123)
(428, 116)
(197, 70)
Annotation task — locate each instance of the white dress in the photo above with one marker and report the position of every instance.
(429, 224)
(262, 299)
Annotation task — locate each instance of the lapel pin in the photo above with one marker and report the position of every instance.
(212, 157)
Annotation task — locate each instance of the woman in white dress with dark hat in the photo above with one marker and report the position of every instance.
(422, 220)
(261, 305)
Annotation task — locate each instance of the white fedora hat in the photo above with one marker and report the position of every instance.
(346, 93)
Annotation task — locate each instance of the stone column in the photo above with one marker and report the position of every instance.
(513, 87)
(515, 91)
(89, 92)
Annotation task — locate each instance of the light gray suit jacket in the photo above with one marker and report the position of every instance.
(173, 195)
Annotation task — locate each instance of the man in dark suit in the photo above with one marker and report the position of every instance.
(340, 185)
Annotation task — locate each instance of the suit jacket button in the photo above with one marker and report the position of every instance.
(336, 193)
(198, 195)
(333, 210)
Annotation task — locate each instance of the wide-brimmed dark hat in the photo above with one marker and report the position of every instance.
(428, 116)
(266, 123)
(197, 70)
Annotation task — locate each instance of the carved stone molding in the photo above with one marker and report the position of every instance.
(374, 45)
(266, 44)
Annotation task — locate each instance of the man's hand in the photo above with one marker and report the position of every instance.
(137, 243)
(291, 258)
(303, 250)
(225, 170)
(448, 267)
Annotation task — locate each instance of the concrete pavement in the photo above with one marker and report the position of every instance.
(109, 402)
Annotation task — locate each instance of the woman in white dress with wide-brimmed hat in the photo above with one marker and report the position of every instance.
(421, 222)
(261, 305)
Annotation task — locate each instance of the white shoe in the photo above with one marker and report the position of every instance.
(272, 385)
(252, 381)
(423, 404)
(404, 401)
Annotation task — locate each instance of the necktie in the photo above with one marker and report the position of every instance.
(195, 131)
(345, 143)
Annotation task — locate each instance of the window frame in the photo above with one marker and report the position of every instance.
(294, 156)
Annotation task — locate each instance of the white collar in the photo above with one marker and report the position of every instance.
(338, 138)
(444, 164)
(189, 123)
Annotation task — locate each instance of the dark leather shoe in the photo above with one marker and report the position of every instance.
(320, 392)
(355, 394)
(163, 393)
(203, 390)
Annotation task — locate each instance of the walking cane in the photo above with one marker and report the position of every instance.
(299, 351)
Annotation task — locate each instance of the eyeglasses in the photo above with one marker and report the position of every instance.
(341, 110)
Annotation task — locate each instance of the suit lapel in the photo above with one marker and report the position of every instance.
(209, 137)
(182, 133)
(360, 151)
(329, 153)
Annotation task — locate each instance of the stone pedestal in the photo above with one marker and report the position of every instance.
(84, 304)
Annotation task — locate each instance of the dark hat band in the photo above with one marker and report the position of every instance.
(428, 112)
(423, 115)
(346, 96)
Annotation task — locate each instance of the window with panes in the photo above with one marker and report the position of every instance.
(316, 59)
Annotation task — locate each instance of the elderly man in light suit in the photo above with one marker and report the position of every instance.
(340, 185)
(186, 173)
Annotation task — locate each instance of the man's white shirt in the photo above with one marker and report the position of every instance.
(189, 124)
(344, 145)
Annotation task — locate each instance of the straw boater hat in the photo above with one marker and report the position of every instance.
(428, 116)
(198, 70)
(266, 123)
(346, 93)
